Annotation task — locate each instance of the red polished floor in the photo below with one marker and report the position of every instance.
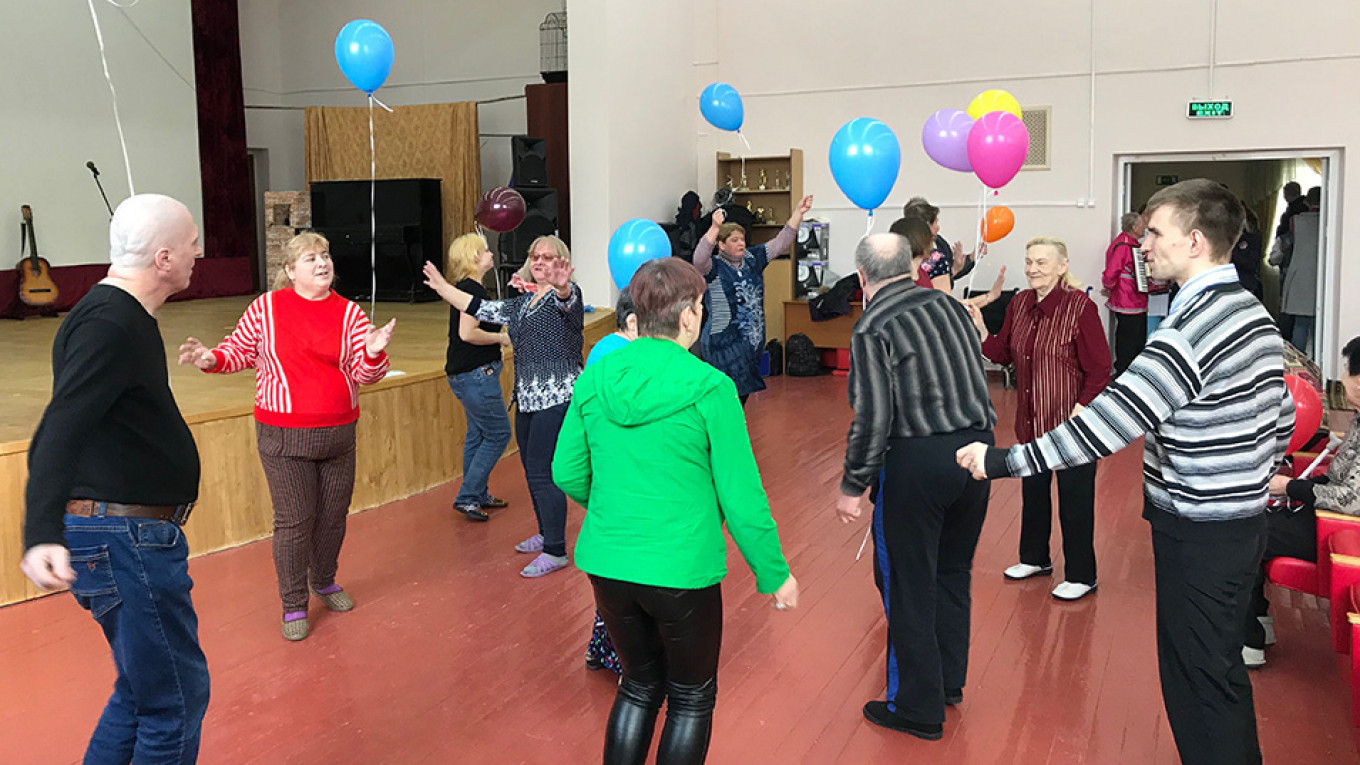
(452, 657)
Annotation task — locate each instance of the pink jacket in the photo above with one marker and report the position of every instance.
(1119, 278)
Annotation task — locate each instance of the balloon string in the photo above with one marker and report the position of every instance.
(869, 227)
(372, 214)
(379, 103)
(865, 543)
(747, 143)
(117, 120)
(977, 241)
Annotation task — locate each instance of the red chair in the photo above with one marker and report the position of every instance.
(1344, 554)
(1353, 618)
(1306, 576)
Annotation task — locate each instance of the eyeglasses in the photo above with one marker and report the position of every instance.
(542, 256)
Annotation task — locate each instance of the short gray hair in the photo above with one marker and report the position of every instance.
(1128, 220)
(141, 225)
(882, 257)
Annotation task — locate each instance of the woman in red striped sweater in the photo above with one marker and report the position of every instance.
(1053, 336)
(311, 350)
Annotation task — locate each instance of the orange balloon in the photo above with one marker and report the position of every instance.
(997, 223)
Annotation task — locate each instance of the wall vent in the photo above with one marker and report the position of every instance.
(1036, 119)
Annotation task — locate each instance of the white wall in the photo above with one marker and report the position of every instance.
(632, 102)
(1286, 73)
(58, 114)
(465, 51)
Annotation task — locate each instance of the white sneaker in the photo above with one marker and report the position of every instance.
(1073, 590)
(1025, 571)
(1254, 658)
(1268, 624)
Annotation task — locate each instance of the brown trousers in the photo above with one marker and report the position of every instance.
(311, 480)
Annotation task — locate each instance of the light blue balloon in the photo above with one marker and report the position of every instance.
(720, 104)
(865, 158)
(634, 243)
(363, 49)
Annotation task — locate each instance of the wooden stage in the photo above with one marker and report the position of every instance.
(410, 430)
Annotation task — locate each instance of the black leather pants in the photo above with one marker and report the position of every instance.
(668, 642)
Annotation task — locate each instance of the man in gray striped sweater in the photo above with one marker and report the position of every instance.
(1208, 392)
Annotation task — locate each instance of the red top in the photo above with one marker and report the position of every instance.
(308, 355)
(1060, 355)
(1119, 277)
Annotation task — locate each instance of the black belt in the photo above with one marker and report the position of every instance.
(90, 508)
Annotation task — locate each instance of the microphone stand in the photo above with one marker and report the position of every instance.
(95, 172)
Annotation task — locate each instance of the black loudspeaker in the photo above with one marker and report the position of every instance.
(540, 219)
(410, 231)
(530, 158)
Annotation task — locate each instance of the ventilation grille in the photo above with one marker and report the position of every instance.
(1036, 120)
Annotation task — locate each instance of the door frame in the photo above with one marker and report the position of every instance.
(1326, 345)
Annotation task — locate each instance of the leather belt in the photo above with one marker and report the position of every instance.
(90, 508)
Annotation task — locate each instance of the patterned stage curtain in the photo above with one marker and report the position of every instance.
(426, 141)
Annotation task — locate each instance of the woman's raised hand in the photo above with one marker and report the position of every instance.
(193, 352)
(559, 274)
(378, 337)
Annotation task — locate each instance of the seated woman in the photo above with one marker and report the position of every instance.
(655, 447)
(1294, 534)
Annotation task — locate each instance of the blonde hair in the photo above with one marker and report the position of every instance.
(464, 254)
(560, 246)
(728, 229)
(307, 241)
(1061, 246)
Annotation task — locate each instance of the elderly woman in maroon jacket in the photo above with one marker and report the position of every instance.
(1053, 336)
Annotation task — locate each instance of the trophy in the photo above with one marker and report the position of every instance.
(760, 215)
(749, 208)
(762, 179)
(743, 180)
(728, 180)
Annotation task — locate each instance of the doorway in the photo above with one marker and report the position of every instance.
(1302, 294)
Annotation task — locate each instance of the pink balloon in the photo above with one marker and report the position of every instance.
(997, 146)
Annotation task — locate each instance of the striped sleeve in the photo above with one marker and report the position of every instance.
(363, 369)
(871, 399)
(241, 349)
(1161, 380)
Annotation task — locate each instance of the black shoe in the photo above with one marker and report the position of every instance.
(593, 664)
(953, 696)
(877, 712)
(494, 503)
(473, 512)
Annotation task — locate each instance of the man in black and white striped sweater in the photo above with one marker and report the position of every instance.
(1208, 392)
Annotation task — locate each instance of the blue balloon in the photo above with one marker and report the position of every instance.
(720, 104)
(634, 243)
(865, 158)
(363, 49)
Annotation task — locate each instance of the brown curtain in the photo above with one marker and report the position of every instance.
(426, 141)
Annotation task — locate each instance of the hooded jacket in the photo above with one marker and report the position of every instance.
(655, 447)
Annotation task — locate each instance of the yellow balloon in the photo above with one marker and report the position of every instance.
(994, 101)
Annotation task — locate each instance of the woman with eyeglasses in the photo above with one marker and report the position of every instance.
(544, 326)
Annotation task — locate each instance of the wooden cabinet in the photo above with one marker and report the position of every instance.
(783, 190)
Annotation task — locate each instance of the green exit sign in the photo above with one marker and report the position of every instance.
(1209, 110)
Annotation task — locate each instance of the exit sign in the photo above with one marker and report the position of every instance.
(1209, 110)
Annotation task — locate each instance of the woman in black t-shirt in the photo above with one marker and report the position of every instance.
(473, 365)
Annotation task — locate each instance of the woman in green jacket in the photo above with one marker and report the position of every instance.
(655, 445)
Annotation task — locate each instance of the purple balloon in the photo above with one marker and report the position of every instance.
(945, 138)
(997, 146)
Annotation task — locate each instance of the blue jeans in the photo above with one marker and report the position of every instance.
(132, 575)
(537, 436)
(488, 429)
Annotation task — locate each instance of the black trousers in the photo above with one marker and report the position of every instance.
(1130, 333)
(668, 641)
(1076, 515)
(927, 518)
(1204, 574)
(1288, 535)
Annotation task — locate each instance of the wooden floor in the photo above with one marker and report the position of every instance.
(451, 657)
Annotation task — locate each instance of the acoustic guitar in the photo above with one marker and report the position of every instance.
(36, 287)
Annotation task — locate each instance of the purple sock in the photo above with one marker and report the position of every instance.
(292, 616)
(329, 590)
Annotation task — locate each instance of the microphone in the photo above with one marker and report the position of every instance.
(95, 171)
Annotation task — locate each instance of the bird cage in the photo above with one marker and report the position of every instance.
(552, 47)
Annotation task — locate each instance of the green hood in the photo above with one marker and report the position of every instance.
(647, 380)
